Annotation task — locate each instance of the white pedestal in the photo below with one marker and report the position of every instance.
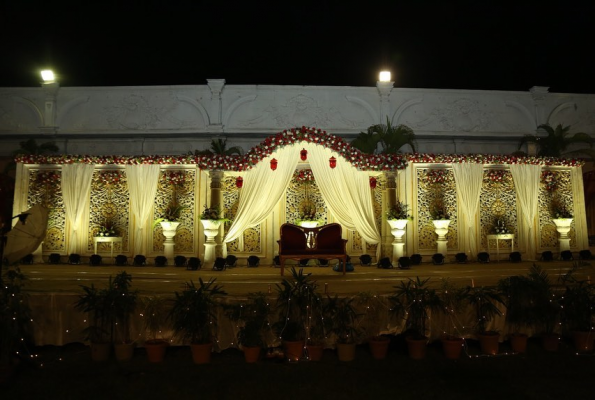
(441, 229)
(169, 231)
(309, 224)
(211, 229)
(397, 228)
(563, 227)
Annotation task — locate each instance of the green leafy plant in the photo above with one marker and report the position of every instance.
(193, 312)
(15, 315)
(485, 301)
(399, 211)
(254, 316)
(154, 316)
(385, 139)
(577, 302)
(558, 140)
(558, 208)
(344, 317)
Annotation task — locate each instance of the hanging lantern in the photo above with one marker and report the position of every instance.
(304, 154)
(239, 182)
(332, 162)
(274, 164)
(373, 182)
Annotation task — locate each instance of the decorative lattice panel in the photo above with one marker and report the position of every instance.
(184, 195)
(547, 228)
(252, 236)
(45, 188)
(109, 198)
(497, 201)
(300, 193)
(427, 194)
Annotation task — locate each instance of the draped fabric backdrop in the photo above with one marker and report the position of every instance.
(262, 190)
(346, 192)
(76, 189)
(469, 177)
(142, 186)
(526, 183)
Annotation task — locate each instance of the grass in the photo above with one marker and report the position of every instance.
(69, 373)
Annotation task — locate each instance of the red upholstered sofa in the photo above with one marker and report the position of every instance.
(298, 243)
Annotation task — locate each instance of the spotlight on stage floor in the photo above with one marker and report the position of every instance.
(585, 255)
(276, 261)
(385, 263)
(365, 260)
(253, 261)
(415, 259)
(121, 260)
(566, 255)
(461, 258)
(231, 261)
(139, 260)
(74, 259)
(28, 259)
(54, 258)
(547, 256)
(404, 263)
(515, 256)
(180, 261)
(219, 264)
(438, 259)
(483, 257)
(194, 264)
(160, 261)
(95, 260)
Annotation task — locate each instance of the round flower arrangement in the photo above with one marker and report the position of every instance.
(496, 175)
(436, 176)
(398, 211)
(47, 177)
(109, 177)
(307, 212)
(107, 229)
(550, 180)
(303, 175)
(174, 178)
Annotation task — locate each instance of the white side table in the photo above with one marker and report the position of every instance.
(501, 236)
(107, 239)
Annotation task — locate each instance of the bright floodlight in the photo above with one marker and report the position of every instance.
(47, 75)
(384, 76)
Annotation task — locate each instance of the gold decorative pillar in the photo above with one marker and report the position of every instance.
(391, 189)
(216, 177)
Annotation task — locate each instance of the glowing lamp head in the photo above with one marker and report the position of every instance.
(332, 162)
(384, 76)
(274, 164)
(303, 154)
(48, 76)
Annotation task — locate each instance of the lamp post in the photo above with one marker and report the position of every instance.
(50, 88)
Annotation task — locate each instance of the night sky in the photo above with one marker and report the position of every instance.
(426, 44)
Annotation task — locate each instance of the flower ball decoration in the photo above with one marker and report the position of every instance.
(174, 178)
(550, 180)
(47, 177)
(303, 175)
(496, 175)
(436, 176)
(107, 178)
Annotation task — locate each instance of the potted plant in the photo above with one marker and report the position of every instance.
(154, 316)
(254, 319)
(342, 313)
(123, 304)
(578, 302)
(485, 301)
(546, 307)
(413, 300)
(295, 296)
(193, 316)
(452, 305)
(520, 311)
(377, 342)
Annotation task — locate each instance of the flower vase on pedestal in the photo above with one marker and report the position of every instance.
(211, 230)
(441, 229)
(169, 231)
(563, 227)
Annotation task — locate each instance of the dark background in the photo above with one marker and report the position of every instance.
(426, 44)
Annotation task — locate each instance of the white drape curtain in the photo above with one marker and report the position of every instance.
(526, 183)
(469, 177)
(262, 190)
(142, 186)
(76, 189)
(346, 192)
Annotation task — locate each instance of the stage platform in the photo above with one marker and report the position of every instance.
(238, 281)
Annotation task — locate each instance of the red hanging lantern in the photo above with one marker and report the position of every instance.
(332, 162)
(274, 164)
(373, 182)
(239, 182)
(304, 154)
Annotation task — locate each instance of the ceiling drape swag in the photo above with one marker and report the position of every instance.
(262, 190)
(468, 178)
(76, 189)
(346, 192)
(142, 185)
(526, 183)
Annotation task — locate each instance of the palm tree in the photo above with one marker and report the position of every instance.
(219, 147)
(558, 140)
(31, 147)
(391, 138)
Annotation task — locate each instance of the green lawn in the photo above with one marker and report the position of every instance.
(534, 375)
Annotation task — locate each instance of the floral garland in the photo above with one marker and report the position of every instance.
(496, 175)
(364, 162)
(174, 178)
(436, 176)
(550, 180)
(47, 177)
(303, 175)
(108, 177)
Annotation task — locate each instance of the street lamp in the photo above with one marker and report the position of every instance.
(384, 76)
(48, 76)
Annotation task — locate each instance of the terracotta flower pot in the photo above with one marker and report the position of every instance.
(156, 350)
(583, 341)
(315, 351)
(201, 353)
(293, 349)
(518, 342)
(550, 341)
(379, 347)
(346, 351)
(251, 353)
(417, 347)
(452, 347)
(124, 351)
(489, 342)
(100, 351)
